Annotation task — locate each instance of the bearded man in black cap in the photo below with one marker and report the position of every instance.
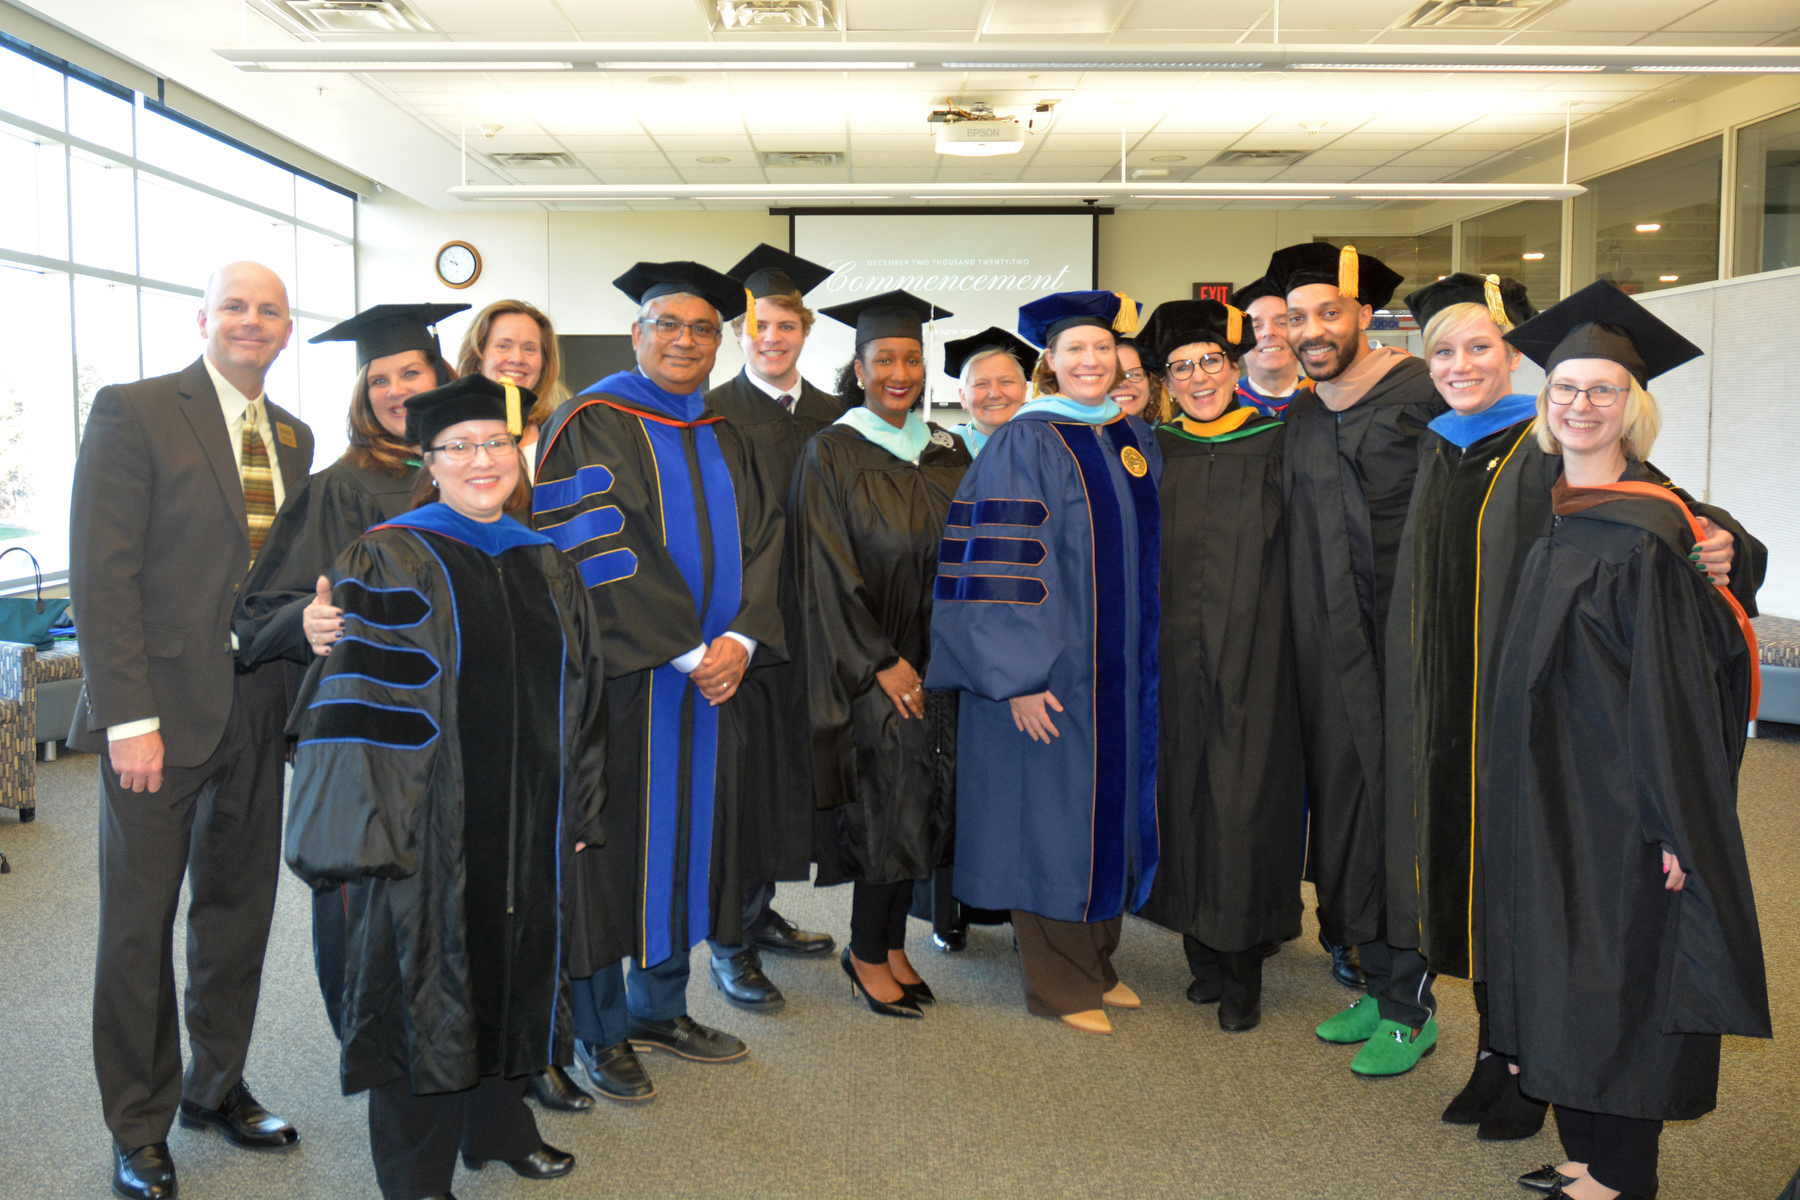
(678, 537)
(776, 412)
(1351, 456)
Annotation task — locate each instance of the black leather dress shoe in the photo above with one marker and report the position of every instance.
(779, 935)
(918, 993)
(147, 1173)
(552, 1088)
(1346, 964)
(952, 939)
(686, 1038)
(616, 1072)
(1200, 993)
(546, 1162)
(242, 1120)
(1544, 1179)
(741, 981)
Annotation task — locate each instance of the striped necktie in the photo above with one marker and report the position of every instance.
(786, 402)
(259, 483)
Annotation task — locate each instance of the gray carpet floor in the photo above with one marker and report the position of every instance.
(978, 1100)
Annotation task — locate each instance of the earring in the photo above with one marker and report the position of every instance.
(434, 483)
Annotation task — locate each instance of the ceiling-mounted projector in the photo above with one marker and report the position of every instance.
(976, 131)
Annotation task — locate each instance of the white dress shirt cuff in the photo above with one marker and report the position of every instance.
(748, 643)
(687, 662)
(131, 729)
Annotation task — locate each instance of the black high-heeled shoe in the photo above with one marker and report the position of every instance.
(905, 1007)
(918, 993)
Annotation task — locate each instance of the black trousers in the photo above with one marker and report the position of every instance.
(878, 918)
(1399, 981)
(414, 1139)
(1067, 965)
(331, 937)
(1620, 1152)
(217, 825)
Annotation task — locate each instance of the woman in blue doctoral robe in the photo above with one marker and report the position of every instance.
(1046, 620)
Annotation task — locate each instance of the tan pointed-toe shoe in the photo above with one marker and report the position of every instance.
(1121, 997)
(1092, 1021)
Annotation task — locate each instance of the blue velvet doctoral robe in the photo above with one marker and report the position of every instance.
(1048, 581)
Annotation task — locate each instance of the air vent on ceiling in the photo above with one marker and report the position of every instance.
(1257, 158)
(534, 159)
(355, 16)
(777, 14)
(1477, 14)
(802, 158)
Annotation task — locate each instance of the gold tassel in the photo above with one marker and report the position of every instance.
(1349, 285)
(1490, 289)
(750, 327)
(1126, 322)
(1234, 327)
(515, 424)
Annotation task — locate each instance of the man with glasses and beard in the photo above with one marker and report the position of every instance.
(1351, 455)
(1271, 372)
(656, 499)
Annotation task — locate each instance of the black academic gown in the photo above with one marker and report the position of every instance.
(621, 488)
(449, 759)
(334, 509)
(1229, 781)
(1347, 480)
(868, 526)
(1474, 517)
(1622, 695)
(777, 796)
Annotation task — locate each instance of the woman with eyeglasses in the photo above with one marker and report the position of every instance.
(1620, 924)
(1482, 495)
(1140, 392)
(870, 500)
(1045, 619)
(1229, 776)
(447, 774)
(511, 341)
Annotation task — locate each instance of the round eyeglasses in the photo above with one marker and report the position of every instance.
(1182, 368)
(1601, 395)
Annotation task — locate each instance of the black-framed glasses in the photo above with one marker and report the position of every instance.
(461, 451)
(1212, 364)
(1601, 395)
(668, 329)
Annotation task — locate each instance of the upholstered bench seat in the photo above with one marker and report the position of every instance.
(1778, 645)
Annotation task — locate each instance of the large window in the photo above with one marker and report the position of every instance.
(1654, 225)
(1419, 258)
(1768, 196)
(113, 212)
(1523, 241)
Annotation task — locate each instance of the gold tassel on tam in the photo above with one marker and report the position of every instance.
(1234, 325)
(751, 329)
(1490, 290)
(1349, 286)
(1126, 322)
(515, 423)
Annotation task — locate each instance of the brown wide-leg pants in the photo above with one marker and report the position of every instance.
(1067, 964)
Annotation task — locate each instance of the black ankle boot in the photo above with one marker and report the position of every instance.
(1478, 1095)
(1513, 1114)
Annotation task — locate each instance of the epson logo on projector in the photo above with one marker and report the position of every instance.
(980, 137)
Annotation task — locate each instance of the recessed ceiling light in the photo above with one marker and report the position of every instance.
(712, 158)
(1532, 257)
(667, 80)
(1169, 158)
(1668, 278)
(1650, 227)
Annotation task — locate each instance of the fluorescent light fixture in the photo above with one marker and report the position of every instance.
(771, 199)
(1071, 190)
(1212, 196)
(1456, 196)
(1650, 227)
(754, 65)
(1534, 256)
(1717, 69)
(418, 65)
(1558, 68)
(1016, 65)
(1668, 278)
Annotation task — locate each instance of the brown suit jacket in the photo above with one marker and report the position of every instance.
(159, 545)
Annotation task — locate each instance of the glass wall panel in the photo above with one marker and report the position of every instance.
(99, 117)
(1420, 258)
(327, 267)
(171, 331)
(102, 216)
(37, 427)
(31, 90)
(321, 206)
(1768, 196)
(34, 204)
(327, 372)
(1523, 241)
(1654, 225)
(106, 339)
(188, 152)
(196, 232)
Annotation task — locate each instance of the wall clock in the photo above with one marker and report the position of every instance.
(458, 264)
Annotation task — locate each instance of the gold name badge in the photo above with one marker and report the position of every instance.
(285, 435)
(1134, 462)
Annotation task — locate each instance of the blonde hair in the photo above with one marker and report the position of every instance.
(793, 304)
(550, 389)
(1043, 379)
(1454, 318)
(1643, 421)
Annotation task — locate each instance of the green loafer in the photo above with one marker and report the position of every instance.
(1394, 1050)
(1355, 1024)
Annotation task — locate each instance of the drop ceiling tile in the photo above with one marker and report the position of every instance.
(807, 174)
(1493, 143)
(1427, 37)
(1612, 16)
(695, 174)
(551, 175)
(1309, 172)
(1069, 158)
(1278, 139)
(580, 143)
(1178, 142)
(613, 162)
(914, 15)
(479, 16)
(1341, 16)
(891, 174)
(1741, 16)
(723, 142)
(1557, 37)
(1235, 174)
(1406, 174)
(1381, 141)
(1340, 159)
(1680, 37)
(1215, 15)
(1339, 104)
(1441, 158)
(408, 82)
(1086, 142)
(860, 158)
(513, 138)
(639, 175)
(891, 143)
(1512, 122)
(632, 16)
(1413, 121)
(796, 141)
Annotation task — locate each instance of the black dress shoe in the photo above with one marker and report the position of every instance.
(1346, 964)
(546, 1162)
(147, 1173)
(552, 1088)
(1201, 993)
(741, 981)
(616, 1072)
(1478, 1094)
(918, 993)
(1240, 994)
(905, 1007)
(952, 939)
(242, 1120)
(1544, 1179)
(686, 1038)
(1512, 1115)
(779, 935)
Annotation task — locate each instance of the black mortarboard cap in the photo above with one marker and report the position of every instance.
(891, 314)
(1600, 321)
(1177, 323)
(958, 353)
(1047, 316)
(766, 271)
(1255, 290)
(647, 280)
(385, 329)
(1362, 276)
(471, 398)
(1502, 297)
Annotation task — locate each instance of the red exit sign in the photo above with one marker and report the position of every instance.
(1213, 291)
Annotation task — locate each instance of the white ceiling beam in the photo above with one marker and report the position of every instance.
(1298, 193)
